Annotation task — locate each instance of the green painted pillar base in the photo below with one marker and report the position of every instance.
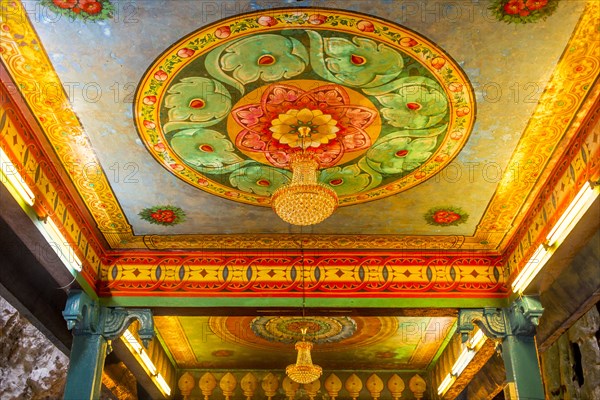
(84, 378)
(522, 368)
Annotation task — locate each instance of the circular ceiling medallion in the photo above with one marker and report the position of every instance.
(328, 333)
(319, 330)
(379, 107)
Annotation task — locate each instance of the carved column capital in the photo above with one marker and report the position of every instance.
(524, 315)
(520, 319)
(86, 317)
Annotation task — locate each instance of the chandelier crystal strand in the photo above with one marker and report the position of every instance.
(304, 201)
(304, 371)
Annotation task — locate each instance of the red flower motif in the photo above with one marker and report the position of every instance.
(65, 3)
(535, 4)
(185, 52)
(365, 26)
(165, 216)
(514, 7)
(222, 32)
(149, 100)
(445, 217)
(408, 42)
(317, 19)
(90, 6)
(160, 75)
(336, 126)
(266, 20)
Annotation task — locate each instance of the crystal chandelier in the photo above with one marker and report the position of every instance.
(304, 371)
(304, 201)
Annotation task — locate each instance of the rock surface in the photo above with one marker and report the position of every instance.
(31, 367)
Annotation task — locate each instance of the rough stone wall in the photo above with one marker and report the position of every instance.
(571, 366)
(31, 367)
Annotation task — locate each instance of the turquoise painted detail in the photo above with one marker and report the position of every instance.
(515, 326)
(197, 100)
(345, 180)
(522, 367)
(84, 377)
(317, 57)
(361, 62)
(204, 148)
(249, 60)
(92, 326)
(211, 63)
(396, 154)
(259, 179)
(415, 103)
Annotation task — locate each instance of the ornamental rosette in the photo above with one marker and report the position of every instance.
(165, 215)
(446, 216)
(86, 10)
(523, 11)
(289, 119)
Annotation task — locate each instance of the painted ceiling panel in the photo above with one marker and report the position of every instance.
(340, 343)
(103, 62)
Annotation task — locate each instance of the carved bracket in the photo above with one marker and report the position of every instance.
(490, 320)
(524, 315)
(520, 319)
(86, 317)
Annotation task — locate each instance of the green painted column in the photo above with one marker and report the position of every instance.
(523, 374)
(84, 377)
(93, 328)
(515, 327)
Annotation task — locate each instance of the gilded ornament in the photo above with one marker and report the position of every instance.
(417, 385)
(375, 386)
(228, 384)
(186, 384)
(353, 385)
(333, 385)
(396, 386)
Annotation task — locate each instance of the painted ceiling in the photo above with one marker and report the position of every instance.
(340, 343)
(155, 133)
(430, 123)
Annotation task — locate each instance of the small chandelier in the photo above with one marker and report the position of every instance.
(304, 201)
(303, 371)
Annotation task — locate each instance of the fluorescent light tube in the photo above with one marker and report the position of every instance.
(463, 360)
(163, 384)
(132, 341)
(477, 340)
(14, 178)
(580, 204)
(531, 269)
(137, 349)
(60, 245)
(446, 383)
(148, 362)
